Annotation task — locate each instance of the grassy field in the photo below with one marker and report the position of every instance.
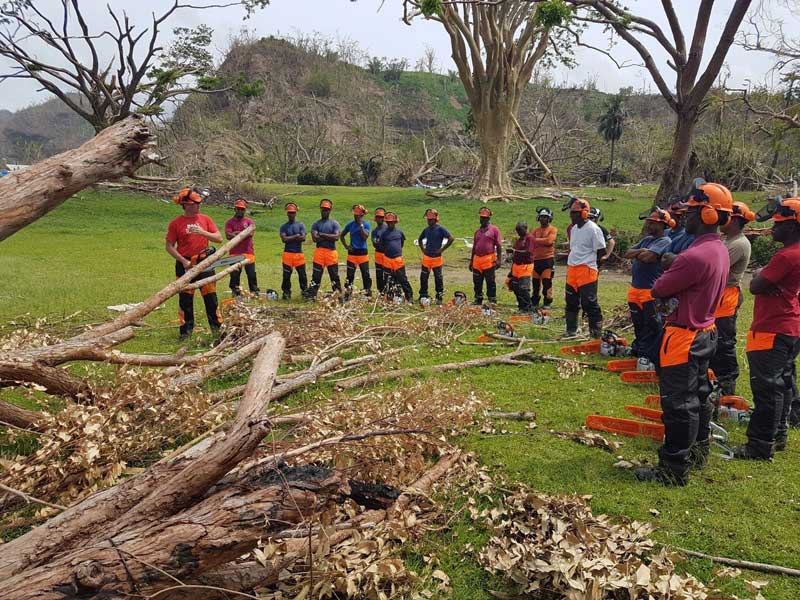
(101, 249)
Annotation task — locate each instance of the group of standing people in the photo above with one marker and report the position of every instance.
(684, 299)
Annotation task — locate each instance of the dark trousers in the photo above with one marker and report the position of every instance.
(521, 286)
(724, 362)
(438, 280)
(542, 283)
(252, 282)
(380, 277)
(773, 381)
(646, 328)
(478, 277)
(316, 279)
(186, 302)
(366, 279)
(584, 297)
(399, 278)
(685, 389)
(286, 284)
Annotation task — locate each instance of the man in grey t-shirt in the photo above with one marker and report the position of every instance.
(724, 362)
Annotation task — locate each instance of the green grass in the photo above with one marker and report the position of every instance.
(100, 249)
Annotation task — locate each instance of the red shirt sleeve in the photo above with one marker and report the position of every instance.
(172, 232)
(776, 269)
(531, 243)
(498, 239)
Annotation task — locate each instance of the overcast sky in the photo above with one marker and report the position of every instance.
(381, 33)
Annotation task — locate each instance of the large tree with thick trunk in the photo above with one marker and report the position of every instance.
(687, 96)
(495, 47)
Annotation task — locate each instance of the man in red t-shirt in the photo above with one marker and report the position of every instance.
(187, 237)
(773, 341)
(234, 227)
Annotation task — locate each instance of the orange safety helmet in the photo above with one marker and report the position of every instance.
(359, 210)
(788, 210)
(391, 218)
(240, 203)
(580, 205)
(659, 215)
(380, 212)
(741, 210)
(484, 212)
(325, 203)
(432, 213)
(291, 207)
(188, 196)
(713, 198)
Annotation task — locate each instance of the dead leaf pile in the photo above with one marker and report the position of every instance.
(569, 368)
(554, 547)
(589, 439)
(86, 447)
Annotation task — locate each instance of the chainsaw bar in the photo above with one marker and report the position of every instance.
(629, 427)
(639, 377)
(227, 261)
(592, 347)
(648, 414)
(624, 364)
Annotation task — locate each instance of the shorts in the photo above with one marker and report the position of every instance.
(326, 257)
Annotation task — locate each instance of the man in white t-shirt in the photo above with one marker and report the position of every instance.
(586, 246)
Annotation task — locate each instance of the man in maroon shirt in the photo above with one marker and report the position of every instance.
(696, 280)
(486, 248)
(234, 227)
(773, 341)
(188, 236)
(522, 267)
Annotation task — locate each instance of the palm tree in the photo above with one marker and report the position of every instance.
(612, 124)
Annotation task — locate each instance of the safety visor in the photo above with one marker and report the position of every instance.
(359, 210)
(326, 204)
(765, 212)
(380, 212)
(786, 212)
(431, 214)
(657, 215)
(484, 212)
(240, 203)
(291, 207)
(578, 205)
(392, 218)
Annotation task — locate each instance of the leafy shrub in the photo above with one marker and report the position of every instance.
(371, 170)
(340, 176)
(311, 176)
(763, 249)
(320, 84)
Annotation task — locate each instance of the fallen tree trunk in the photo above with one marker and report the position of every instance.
(19, 417)
(30, 193)
(160, 491)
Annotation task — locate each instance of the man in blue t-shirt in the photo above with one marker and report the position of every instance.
(679, 238)
(357, 234)
(325, 233)
(430, 243)
(293, 234)
(394, 264)
(646, 256)
(377, 232)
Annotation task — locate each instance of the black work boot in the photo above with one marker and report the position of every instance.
(698, 455)
(780, 441)
(659, 475)
(747, 452)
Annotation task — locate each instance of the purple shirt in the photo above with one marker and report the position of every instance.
(487, 240)
(235, 226)
(697, 279)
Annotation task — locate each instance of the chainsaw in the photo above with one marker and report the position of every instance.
(223, 262)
